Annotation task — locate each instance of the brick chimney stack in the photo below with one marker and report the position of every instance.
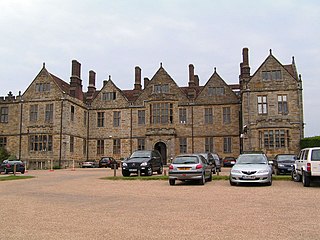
(244, 69)
(244, 66)
(191, 76)
(75, 80)
(92, 82)
(137, 81)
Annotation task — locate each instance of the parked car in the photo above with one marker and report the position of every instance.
(7, 166)
(251, 168)
(89, 164)
(217, 160)
(284, 163)
(190, 167)
(108, 162)
(229, 161)
(143, 161)
(209, 157)
(307, 166)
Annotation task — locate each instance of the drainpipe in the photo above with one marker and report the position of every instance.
(61, 118)
(20, 133)
(130, 131)
(87, 150)
(192, 136)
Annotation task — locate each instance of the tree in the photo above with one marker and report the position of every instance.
(4, 154)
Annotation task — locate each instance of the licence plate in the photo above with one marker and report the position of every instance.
(248, 177)
(184, 168)
(133, 170)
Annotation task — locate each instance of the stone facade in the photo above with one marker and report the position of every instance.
(55, 123)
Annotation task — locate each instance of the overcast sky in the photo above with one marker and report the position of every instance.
(112, 37)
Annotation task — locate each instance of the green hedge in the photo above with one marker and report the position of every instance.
(310, 142)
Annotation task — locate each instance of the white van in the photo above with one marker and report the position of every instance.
(307, 166)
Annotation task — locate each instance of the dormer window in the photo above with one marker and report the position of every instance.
(161, 88)
(42, 87)
(271, 75)
(109, 96)
(216, 91)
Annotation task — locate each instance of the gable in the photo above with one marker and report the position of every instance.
(162, 88)
(110, 96)
(216, 91)
(272, 75)
(45, 86)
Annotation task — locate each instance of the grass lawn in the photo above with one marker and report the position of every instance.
(12, 177)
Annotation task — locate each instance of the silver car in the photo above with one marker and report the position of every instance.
(190, 167)
(251, 168)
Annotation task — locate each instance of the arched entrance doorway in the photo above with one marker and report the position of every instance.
(162, 148)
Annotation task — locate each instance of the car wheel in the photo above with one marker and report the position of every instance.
(210, 177)
(270, 182)
(305, 180)
(160, 170)
(172, 182)
(295, 176)
(125, 173)
(22, 172)
(214, 170)
(149, 171)
(202, 181)
(6, 171)
(232, 183)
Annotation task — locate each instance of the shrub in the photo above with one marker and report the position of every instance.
(4, 154)
(310, 142)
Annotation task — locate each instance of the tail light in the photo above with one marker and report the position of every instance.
(199, 166)
(171, 167)
(308, 167)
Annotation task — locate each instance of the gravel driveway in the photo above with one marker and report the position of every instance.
(67, 204)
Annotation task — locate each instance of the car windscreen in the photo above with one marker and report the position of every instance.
(141, 154)
(186, 160)
(251, 159)
(281, 158)
(315, 155)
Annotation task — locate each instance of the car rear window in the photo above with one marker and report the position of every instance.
(315, 156)
(185, 160)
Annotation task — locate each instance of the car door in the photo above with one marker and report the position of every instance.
(315, 161)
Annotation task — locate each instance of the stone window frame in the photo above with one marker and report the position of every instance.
(109, 96)
(183, 115)
(161, 113)
(208, 115)
(209, 144)
(40, 143)
(33, 113)
(183, 145)
(141, 143)
(227, 144)
(116, 146)
(262, 104)
(43, 87)
(216, 91)
(49, 113)
(283, 104)
(71, 144)
(4, 115)
(100, 146)
(100, 119)
(271, 75)
(3, 142)
(116, 118)
(161, 88)
(226, 112)
(141, 117)
(72, 112)
(274, 138)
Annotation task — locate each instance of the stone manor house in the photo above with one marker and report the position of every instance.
(55, 120)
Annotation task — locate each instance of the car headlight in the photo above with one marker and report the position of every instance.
(235, 171)
(124, 164)
(144, 164)
(263, 171)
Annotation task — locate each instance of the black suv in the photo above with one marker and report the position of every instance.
(108, 162)
(145, 161)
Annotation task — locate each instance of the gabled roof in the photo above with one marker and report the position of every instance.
(131, 95)
(65, 87)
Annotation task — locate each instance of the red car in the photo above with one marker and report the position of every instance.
(229, 161)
